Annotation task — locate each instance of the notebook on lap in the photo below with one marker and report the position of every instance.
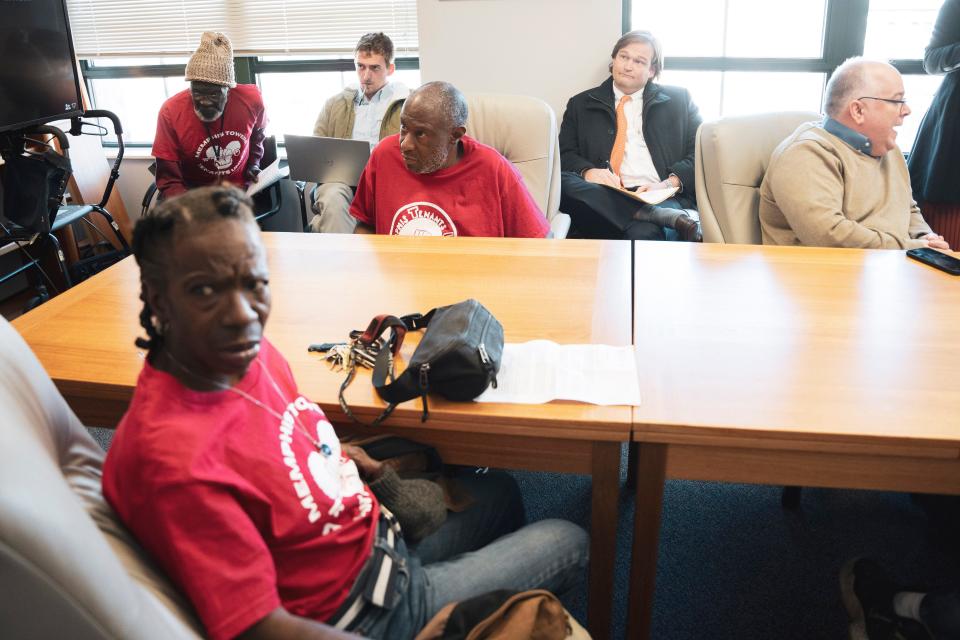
(316, 159)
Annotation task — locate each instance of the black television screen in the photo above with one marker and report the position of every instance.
(38, 76)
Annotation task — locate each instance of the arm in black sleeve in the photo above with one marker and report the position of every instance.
(570, 158)
(943, 52)
(256, 153)
(684, 168)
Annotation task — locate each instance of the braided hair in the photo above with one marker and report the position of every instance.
(153, 238)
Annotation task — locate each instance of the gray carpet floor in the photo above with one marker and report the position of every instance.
(734, 564)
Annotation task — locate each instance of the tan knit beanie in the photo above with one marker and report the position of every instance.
(213, 60)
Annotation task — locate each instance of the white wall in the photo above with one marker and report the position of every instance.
(551, 49)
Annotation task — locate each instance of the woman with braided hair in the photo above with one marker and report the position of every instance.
(238, 487)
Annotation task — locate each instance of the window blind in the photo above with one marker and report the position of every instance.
(256, 27)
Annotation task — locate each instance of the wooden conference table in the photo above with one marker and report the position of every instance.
(324, 285)
(789, 366)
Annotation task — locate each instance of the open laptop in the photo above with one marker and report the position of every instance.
(316, 159)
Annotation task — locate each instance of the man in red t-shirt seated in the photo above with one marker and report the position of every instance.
(212, 132)
(433, 180)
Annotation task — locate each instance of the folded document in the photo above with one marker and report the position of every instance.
(540, 371)
(270, 174)
(654, 196)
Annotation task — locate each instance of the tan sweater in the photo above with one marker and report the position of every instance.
(818, 191)
(338, 114)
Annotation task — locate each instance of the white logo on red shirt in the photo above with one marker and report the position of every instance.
(337, 477)
(422, 219)
(217, 154)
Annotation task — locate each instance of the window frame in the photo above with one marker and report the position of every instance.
(247, 69)
(845, 32)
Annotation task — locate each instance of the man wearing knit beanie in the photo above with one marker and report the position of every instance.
(213, 131)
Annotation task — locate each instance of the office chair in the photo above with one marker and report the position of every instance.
(266, 203)
(68, 568)
(524, 130)
(41, 229)
(731, 159)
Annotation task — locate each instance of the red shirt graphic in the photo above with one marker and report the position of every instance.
(422, 219)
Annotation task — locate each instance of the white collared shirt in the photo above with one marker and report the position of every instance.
(637, 167)
(368, 114)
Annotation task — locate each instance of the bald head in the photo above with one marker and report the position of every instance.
(854, 78)
(432, 122)
(867, 96)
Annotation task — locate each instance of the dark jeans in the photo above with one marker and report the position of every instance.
(481, 549)
(599, 212)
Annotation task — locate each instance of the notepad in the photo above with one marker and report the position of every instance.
(270, 174)
(654, 196)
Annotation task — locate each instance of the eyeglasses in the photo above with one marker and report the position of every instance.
(900, 103)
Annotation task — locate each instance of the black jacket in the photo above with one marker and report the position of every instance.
(936, 151)
(670, 121)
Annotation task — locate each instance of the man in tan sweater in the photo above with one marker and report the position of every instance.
(843, 182)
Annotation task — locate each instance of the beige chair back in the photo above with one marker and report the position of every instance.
(524, 130)
(68, 568)
(732, 155)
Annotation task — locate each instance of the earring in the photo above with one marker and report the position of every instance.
(160, 326)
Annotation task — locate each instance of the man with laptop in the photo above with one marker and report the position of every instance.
(369, 112)
(433, 180)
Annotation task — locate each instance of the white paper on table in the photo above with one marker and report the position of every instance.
(540, 371)
(267, 176)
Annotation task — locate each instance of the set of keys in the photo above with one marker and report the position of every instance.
(347, 355)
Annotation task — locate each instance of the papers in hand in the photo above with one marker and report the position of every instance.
(540, 371)
(655, 196)
(267, 176)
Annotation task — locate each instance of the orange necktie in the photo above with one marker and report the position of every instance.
(620, 142)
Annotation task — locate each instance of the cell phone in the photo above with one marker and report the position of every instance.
(936, 259)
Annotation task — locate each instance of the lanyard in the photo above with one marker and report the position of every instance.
(216, 147)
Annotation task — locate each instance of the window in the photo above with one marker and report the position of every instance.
(734, 28)
(734, 93)
(135, 100)
(743, 56)
(298, 63)
(900, 32)
(294, 98)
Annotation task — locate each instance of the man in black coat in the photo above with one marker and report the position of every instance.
(630, 133)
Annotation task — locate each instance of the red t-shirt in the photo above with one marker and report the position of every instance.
(482, 195)
(239, 508)
(210, 151)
